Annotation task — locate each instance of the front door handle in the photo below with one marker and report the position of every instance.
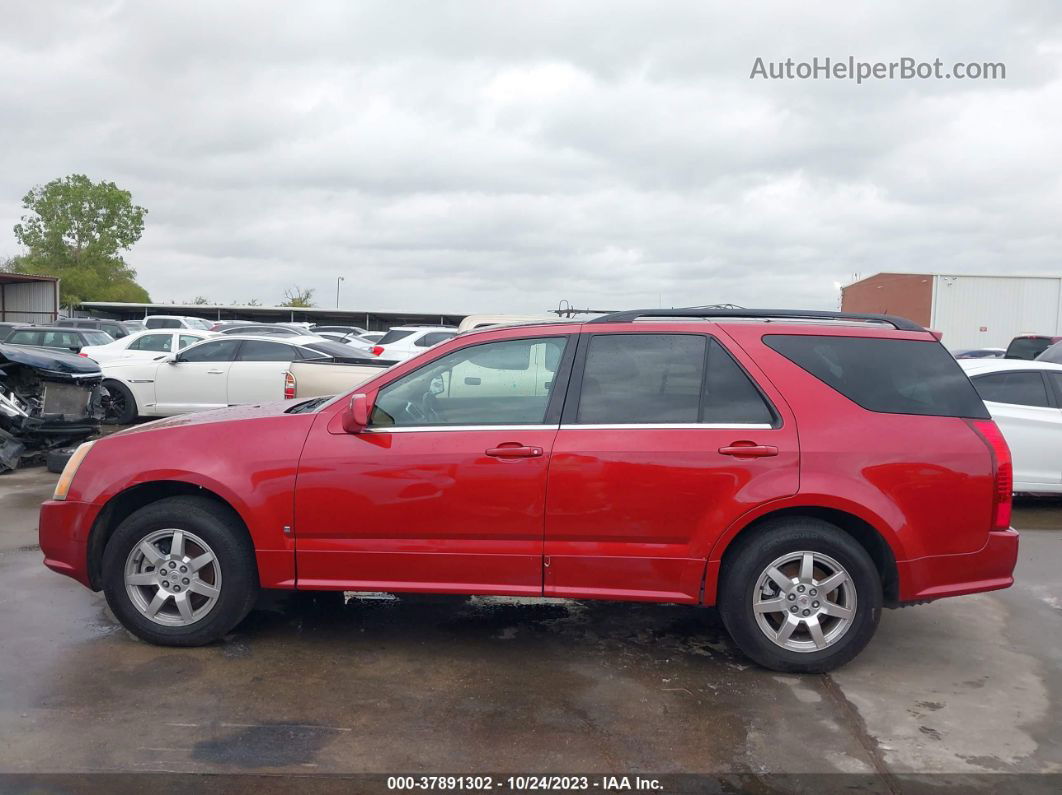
(514, 451)
(749, 450)
(215, 372)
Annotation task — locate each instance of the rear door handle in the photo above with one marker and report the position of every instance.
(514, 451)
(215, 372)
(749, 450)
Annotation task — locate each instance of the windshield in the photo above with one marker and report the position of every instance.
(97, 337)
(195, 322)
(309, 405)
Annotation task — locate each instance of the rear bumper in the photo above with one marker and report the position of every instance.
(64, 531)
(988, 569)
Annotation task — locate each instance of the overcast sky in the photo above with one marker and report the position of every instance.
(502, 156)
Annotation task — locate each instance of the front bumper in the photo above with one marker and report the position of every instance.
(988, 569)
(64, 534)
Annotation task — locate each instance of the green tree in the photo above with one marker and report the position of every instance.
(76, 229)
(298, 297)
(10, 265)
(200, 300)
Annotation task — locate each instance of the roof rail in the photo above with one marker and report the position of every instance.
(899, 323)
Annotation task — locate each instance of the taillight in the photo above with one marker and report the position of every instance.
(1003, 475)
(377, 350)
(289, 386)
(79, 353)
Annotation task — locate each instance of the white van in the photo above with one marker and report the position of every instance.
(482, 321)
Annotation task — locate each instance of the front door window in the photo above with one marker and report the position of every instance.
(498, 383)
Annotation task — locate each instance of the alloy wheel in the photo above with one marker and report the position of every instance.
(804, 601)
(173, 577)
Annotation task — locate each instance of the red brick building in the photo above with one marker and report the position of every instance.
(908, 295)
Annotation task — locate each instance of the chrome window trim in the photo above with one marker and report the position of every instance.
(663, 426)
(412, 428)
(634, 426)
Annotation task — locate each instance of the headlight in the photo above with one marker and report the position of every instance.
(65, 479)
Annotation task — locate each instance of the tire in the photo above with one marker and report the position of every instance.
(785, 544)
(56, 459)
(120, 406)
(187, 615)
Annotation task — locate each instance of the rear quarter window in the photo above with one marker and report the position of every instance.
(882, 374)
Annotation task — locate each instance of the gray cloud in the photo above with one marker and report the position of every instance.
(477, 156)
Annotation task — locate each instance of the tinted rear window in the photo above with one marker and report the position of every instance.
(393, 336)
(886, 375)
(1027, 347)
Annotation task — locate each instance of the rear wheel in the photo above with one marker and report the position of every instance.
(180, 572)
(800, 595)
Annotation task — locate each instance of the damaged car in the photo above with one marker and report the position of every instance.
(48, 400)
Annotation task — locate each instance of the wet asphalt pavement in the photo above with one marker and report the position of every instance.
(457, 685)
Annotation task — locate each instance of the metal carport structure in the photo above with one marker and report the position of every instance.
(28, 299)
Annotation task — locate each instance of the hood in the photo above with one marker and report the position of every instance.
(122, 364)
(232, 414)
(48, 359)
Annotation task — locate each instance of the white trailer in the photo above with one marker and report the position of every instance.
(988, 311)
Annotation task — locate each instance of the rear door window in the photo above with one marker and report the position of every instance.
(642, 378)
(262, 351)
(152, 342)
(666, 379)
(1021, 389)
(62, 339)
(884, 374)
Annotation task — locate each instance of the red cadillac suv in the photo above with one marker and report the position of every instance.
(801, 470)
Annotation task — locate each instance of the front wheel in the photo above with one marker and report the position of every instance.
(800, 596)
(180, 572)
(119, 404)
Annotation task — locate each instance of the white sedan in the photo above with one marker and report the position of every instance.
(405, 342)
(145, 345)
(212, 374)
(1025, 400)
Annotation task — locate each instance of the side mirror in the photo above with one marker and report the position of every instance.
(170, 358)
(356, 415)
